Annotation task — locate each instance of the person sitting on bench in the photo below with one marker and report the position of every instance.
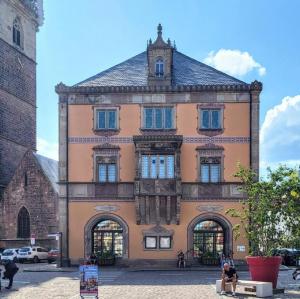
(180, 259)
(229, 275)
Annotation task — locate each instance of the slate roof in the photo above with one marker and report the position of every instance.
(50, 169)
(186, 71)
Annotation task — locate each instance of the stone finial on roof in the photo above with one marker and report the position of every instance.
(159, 30)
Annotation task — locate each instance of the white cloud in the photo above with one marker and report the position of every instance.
(234, 62)
(47, 148)
(280, 134)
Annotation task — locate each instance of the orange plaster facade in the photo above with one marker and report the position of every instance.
(109, 199)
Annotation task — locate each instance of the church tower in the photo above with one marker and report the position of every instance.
(19, 22)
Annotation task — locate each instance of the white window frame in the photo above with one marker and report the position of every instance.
(161, 65)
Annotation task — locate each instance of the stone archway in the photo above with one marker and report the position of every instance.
(93, 222)
(221, 220)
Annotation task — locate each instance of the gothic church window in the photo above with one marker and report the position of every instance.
(159, 68)
(17, 32)
(23, 224)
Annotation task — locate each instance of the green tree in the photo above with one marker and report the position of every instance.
(271, 214)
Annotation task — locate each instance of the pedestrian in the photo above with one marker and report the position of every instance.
(229, 275)
(11, 270)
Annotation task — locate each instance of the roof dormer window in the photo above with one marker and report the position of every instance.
(159, 68)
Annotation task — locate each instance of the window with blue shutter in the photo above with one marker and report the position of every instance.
(107, 119)
(170, 167)
(145, 167)
(210, 119)
(210, 170)
(153, 169)
(107, 172)
(158, 118)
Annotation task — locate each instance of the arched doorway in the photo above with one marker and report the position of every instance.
(208, 238)
(107, 237)
(106, 233)
(210, 233)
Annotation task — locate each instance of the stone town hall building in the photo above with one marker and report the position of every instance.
(28, 182)
(148, 149)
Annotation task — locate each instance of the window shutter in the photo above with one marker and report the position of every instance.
(205, 173)
(102, 173)
(204, 119)
(145, 167)
(153, 173)
(101, 119)
(112, 173)
(162, 167)
(112, 119)
(148, 118)
(215, 173)
(170, 167)
(215, 115)
(168, 118)
(158, 118)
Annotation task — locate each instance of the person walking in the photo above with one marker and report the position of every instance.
(11, 270)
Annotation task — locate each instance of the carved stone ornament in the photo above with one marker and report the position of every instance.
(210, 208)
(158, 231)
(107, 208)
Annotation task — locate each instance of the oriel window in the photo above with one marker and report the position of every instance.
(158, 166)
(210, 170)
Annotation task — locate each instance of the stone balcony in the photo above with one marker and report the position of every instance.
(127, 190)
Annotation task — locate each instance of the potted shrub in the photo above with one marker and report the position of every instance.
(106, 258)
(209, 258)
(269, 217)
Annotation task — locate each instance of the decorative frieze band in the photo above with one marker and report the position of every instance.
(186, 139)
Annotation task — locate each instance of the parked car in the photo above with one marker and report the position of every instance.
(33, 253)
(53, 255)
(10, 254)
(289, 256)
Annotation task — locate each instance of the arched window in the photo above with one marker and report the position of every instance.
(17, 32)
(23, 224)
(107, 238)
(208, 238)
(159, 68)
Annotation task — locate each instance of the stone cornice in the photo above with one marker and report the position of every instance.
(64, 89)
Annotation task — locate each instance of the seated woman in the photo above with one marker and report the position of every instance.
(229, 275)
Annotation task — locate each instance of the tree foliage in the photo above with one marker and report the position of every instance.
(271, 214)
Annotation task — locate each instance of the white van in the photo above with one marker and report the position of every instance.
(33, 253)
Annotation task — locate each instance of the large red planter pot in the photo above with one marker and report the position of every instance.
(264, 268)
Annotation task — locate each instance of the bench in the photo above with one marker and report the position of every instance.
(263, 289)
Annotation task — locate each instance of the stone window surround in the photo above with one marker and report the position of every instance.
(210, 151)
(106, 154)
(158, 105)
(226, 225)
(95, 118)
(210, 106)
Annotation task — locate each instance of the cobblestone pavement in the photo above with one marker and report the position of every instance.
(124, 284)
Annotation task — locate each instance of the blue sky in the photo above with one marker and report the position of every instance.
(250, 39)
